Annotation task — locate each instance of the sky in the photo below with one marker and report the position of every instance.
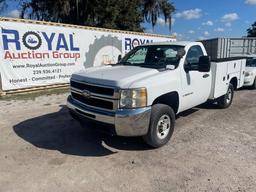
(195, 19)
(205, 19)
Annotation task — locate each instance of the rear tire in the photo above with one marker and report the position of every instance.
(254, 84)
(226, 100)
(162, 122)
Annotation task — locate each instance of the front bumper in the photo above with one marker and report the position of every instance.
(126, 122)
(249, 80)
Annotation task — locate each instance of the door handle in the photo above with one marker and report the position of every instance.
(206, 75)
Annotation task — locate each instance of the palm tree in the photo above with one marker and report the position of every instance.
(153, 9)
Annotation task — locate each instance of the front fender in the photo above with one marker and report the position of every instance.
(160, 84)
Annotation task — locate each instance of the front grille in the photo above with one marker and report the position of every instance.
(93, 88)
(86, 114)
(93, 101)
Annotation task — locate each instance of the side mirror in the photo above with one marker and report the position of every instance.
(187, 68)
(119, 58)
(204, 64)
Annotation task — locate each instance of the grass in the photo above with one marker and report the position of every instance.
(34, 94)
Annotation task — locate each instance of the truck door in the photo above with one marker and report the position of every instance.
(196, 86)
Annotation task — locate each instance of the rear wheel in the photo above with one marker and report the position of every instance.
(254, 84)
(161, 126)
(226, 100)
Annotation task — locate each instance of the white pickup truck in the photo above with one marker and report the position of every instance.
(143, 92)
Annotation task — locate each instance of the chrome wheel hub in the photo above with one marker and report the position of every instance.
(229, 96)
(163, 126)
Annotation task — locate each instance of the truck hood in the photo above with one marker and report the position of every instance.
(116, 76)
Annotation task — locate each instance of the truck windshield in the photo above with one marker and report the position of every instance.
(154, 56)
(251, 62)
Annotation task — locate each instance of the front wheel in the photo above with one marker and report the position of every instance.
(226, 100)
(161, 126)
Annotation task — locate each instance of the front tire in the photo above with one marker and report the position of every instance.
(162, 122)
(226, 100)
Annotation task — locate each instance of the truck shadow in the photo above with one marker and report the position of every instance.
(245, 89)
(58, 131)
(207, 105)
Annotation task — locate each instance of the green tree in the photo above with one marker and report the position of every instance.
(115, 14)
(122, 14)
(152, 9)
(252, 30)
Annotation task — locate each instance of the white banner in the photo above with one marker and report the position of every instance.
(38, 55)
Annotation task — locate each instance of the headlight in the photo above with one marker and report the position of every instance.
(248, 74)
(133, 98)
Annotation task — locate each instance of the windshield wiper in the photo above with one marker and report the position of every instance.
(124, 63)
(146, 65)
(153, 65)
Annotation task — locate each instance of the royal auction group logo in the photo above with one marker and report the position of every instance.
(32, 40)
(38, 45)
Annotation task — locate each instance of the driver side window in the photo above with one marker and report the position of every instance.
(194, 53)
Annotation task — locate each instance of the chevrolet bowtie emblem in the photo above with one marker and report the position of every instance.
(86, 94)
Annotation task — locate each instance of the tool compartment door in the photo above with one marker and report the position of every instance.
(219, 79)
(242, 73)
(234, 66)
